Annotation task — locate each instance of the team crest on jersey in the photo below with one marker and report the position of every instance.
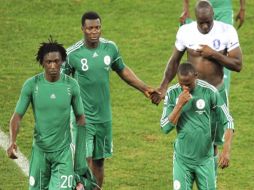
(107, 60)
(177, 185)
(216, 43)
(200, 104)
(31, 180)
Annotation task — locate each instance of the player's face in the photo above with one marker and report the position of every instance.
(92, 31)
(188, 81)
(52, 63)
(204, 20)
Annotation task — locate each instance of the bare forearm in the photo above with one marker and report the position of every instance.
(169, 74)
(131, 79)
(242, 4)
(14, 127)
(175, 114)
(228, 137)
(231, 63)
(186, 5)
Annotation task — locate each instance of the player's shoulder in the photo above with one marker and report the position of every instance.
(174, 88)
(32, 81)
(75, 47)
(69, 80)
(187, 29)
(206, 85)
(223, 26)
(108, 43)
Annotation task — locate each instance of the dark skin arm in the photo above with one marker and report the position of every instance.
(80, 120)
(184, 97)
(131, 79)
(241, 14)
(169, 74)
(186, 13)
(225, 154)
(14, 128)
(232, 61)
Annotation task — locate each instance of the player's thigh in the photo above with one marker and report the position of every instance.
(90, 134)
(205, 176)
(39, 171)
(103, 141)
(62, 172)
(183, 177)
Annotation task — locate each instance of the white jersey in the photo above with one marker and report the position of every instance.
(222, 36)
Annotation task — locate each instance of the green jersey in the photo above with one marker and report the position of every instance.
(91, 67)
(51, 103)
(194, 142)
(221, 4)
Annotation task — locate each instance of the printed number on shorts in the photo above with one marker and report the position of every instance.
(84, 64)
(67, 181)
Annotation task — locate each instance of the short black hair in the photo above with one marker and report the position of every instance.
(186, 68)
(89, 15)
(50, 46)
(203, 4)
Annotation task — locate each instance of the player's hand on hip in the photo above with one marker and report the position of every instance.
(12, 151)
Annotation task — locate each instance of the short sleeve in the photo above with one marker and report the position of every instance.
(77, 104)
(233, 41)
(179, 43)
(117, 63)
(25, 97)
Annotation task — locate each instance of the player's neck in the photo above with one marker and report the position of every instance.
(50, 78)
(91, 45)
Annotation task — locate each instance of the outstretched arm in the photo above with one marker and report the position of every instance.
(169, 75)
(241, 14)
(14, 129)
(131, 79)
(185, 14)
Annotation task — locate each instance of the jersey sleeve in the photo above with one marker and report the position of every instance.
(76, 102)
(166, 125)
(24, 98)
(179, 43)
(222, 112)
(117, 63)
(233, 41)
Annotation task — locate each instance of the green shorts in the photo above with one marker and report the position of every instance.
(185, 174)
(217, 131)
(99, 140)
(51, 170)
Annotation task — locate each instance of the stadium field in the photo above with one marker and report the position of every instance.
(144, 31)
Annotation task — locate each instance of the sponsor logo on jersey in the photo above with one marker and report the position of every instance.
(52, 96)
(95, 55)
(216, 43)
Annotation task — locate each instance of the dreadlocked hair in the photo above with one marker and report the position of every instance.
(50, 46)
